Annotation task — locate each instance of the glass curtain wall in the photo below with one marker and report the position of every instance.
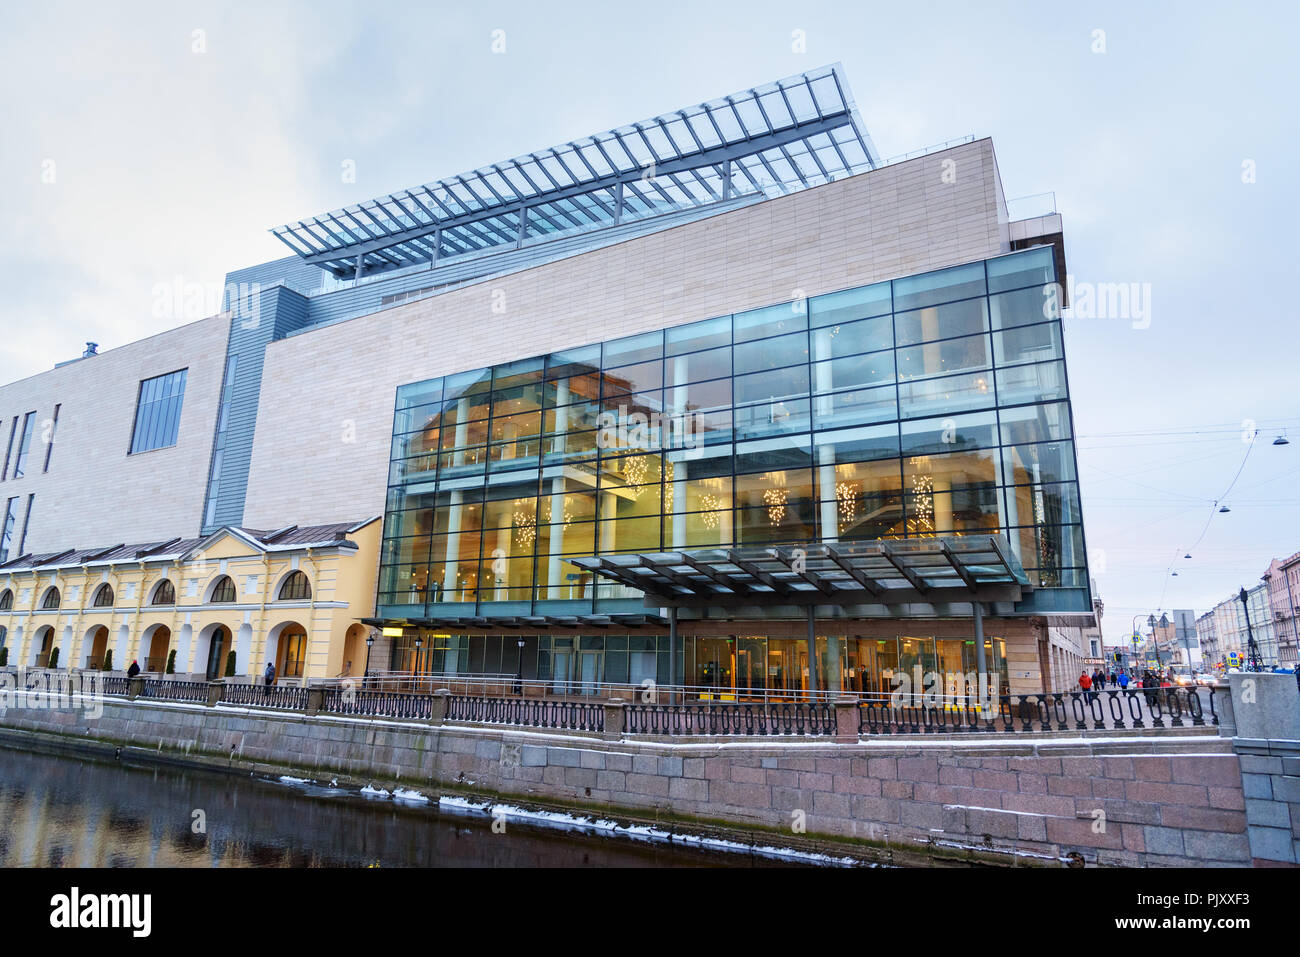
(926, 406)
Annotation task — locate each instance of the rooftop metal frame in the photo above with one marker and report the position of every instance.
(769, 140)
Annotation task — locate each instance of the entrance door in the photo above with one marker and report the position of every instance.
(215, 650)
(560, 671)
(589, 674)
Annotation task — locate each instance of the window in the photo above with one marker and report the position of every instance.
(224, 590)
(25, 443)
(9, 449)
(158, 412)
(7, 533)
(27, 523)
(49, 441)
(6, 600)
(295, 588)
(165, 593)
(52, 599)
(104, 597)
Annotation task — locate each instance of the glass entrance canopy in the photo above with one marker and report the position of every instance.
(769, 140)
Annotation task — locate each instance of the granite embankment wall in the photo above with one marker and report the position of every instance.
(1130, 800)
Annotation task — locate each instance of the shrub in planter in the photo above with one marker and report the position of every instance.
(230, 664)
(108, 660)
(54, 658)
(4, 657)
(171, 662)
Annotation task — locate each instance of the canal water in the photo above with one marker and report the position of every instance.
(59, 810)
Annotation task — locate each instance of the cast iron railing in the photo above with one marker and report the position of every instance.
(287, 697)
(528, 713)
(377, 704)
(169, 690)
(746, 718)
(1058, 711)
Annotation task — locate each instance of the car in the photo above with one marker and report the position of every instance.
(1205, 680)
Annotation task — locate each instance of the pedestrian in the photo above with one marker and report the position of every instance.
(134, 669)
(270, 675)
(1085, 685)
(1123, 680)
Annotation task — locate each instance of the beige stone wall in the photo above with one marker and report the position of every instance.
(95, 494)
(325, 420)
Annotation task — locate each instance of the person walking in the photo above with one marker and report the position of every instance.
(270, 675)
(134, 669)
(1085, 685)
(1122, 679)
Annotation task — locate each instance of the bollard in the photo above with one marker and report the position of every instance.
(847, 716)
(1223, 708)
(441, 702)
(615, 716)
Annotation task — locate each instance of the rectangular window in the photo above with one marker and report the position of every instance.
(9, 449)
(27, 524)
(11, 519)
(25, 443)
(158, 412)
(49, 443)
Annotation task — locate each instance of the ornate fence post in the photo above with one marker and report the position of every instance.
(614, 720)
(135, 687)
(438, 710)
(848, 718)
(216, 690)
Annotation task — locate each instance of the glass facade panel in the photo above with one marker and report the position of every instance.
(911, 408)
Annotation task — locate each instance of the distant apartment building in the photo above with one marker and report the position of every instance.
(1282, 581)
(1223, 630)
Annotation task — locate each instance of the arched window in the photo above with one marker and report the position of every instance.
(295, 588)
(52, 599)
(165, 593)
(224, 590)
(104, 596)
(6, 600)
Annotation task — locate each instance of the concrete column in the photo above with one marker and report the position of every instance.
(672, 651)
(812, 648)
(822, 405)
(834, 675)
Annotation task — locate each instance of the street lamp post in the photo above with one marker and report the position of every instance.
(415, 682)
(370, 640)
(519, 675)
(1252, 650)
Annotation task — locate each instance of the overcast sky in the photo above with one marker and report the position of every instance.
(137, 151)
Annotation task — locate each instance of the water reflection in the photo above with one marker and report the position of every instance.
(62, 811)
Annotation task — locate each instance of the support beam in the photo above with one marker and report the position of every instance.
(672, 652)
(912, 577)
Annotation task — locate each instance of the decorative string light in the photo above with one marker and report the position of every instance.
(846, 495)
(525, 523)
(923, 490)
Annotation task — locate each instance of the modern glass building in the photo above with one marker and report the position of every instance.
(717, 399)
(930, 407)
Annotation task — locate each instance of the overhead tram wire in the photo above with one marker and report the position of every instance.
(1213, 510)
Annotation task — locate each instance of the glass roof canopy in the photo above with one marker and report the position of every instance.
(930, 571)
(769, 140)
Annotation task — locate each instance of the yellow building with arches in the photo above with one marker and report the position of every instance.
(294, 596)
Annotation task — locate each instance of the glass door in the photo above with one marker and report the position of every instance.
(214, 653)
